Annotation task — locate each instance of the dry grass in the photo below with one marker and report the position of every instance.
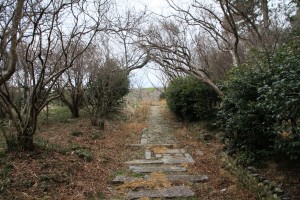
(55, 170)
(155, 181)
(159, 150)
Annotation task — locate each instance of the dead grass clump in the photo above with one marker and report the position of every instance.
(141, 112)
(155, 181)
(134, 127)
(159, 150)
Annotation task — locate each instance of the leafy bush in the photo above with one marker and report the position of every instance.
(280, 97)
(105, 90)
(244, 124)
(261, 106)
(191, 99)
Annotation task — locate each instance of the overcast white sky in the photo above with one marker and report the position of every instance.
(145, 77)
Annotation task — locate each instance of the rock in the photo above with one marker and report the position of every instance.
(171, 192)
(144, 141)
(147, 154)
(278, 191)
(150, 169)
(158, 155)
(251, 169)
(189, 158)
(223, 190)
(141, 162)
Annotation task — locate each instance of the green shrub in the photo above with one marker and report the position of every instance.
(244, 124)
(261, 106)
(191, 99)
(105, 89)
(280, 97)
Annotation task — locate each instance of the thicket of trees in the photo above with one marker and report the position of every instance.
(83, 51)
(259, 112)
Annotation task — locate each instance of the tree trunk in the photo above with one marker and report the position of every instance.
(25, 141)
(11, 67)
(75, 111)
(94, 121)
(265, 13)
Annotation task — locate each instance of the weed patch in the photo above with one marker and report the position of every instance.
(76, 133)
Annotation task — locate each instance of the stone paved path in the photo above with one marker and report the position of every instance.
(164, 166)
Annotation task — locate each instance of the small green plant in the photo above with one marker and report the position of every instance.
(138, 175)
(6, 169)
(64, 120)
(81, 152)
(76, 133)
(96, 135)
(84, 154)
(245, 158)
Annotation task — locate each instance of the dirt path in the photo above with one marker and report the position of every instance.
(170, 168)
(159, 131)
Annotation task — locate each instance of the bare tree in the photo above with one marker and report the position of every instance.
(57, 34)
(126, 38)
(171, 48)
(11, 13)
(70, 86)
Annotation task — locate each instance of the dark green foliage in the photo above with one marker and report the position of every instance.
(191, 99)
(105, 90)
(83, 153)
(261, 106)
(280, 97)
(244, 124)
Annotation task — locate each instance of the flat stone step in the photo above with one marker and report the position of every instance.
(151, 145)
(148, 154)
(171, 178)
(171, 192)
(150, 169)
(144, 141)
(188, 178)
(178, 159)
(142, 162)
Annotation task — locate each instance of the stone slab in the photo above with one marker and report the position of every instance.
(144, 141)
(142, 162)
(158, 155)
(186, 158)
(174, 151)
(171, 192)
(151, 145)
(150, 169)
(171, 178)
(188, 178)
(189, 158)
(147, 154)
